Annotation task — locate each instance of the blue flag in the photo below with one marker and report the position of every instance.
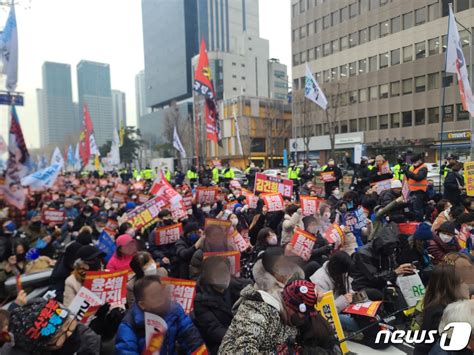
(71, 161)
(106, 244)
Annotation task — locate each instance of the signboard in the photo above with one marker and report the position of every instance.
(206, 194)
(146, 214)
(383, 185)
(274, 202)
(8, 99)
(81, 303)
(302, 243)
(108, 286)
(178, 210)
(168, 234)
(367, 309)
(225, 225)
(327, 308)
(335, 235)
(272, 184)
(240, 242)
(118, 197)
(469, 177)
(182, 292)
(49, 320)
(233, 256)
(310, 205)
(51, 215)
(355, 220)
(188, 200)
(455, 135)
(327, 176)
(155, 330)
(408, 228)
(121, 189)
(106, 244)
(250, 198)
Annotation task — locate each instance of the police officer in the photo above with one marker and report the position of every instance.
(167, 174)
(397, 169)
(215, 175)
(250, 174)
(192, 175)
(451, 160)
(228, 173)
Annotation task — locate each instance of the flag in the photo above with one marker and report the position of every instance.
(97, 162)
(312, 90)
(456, 63)
(84, 140)
(122, 134)
(94, 149)
(9, 50)
(77, 157)
(45, 178)
(114, 155)
(237, 133)
(177, 144)
(56, 157)
(71, 160)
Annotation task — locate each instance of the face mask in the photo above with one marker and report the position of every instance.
(296, 321)
(71, 345)
(87, 214)
(206, 209)
(234, 221)
(150, 270)
(193, 237)
(445, 238)
(350, 205)
(189, 212)
(312, 229)
(222, 282)
(273, 240)
(99, 229)
(343, 209)
(336, 193)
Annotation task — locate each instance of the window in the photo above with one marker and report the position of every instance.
(433, 115)
(395, 57)
(395, 120)
(407, 54)
(318, 53)
(303, 32)
(420, 117)
(335, 46)
(462, 5)
(353, 10)
(343, 70)
(303, 57)
(257, 145)
(395, 88)
(447, 80)
(319, 76)
(383, 60)
(362, 95)
(352, 97)
(344, 14)
(362, 66)
(407, 20)
(445, 7)
(373, 63)
(433, 46)
(464, 37)
(448, 113)
(302, 6)
(407, 85)
(406, 119)
(352, 69)
(374, 4)
(344, 98)
(373, 32)
(395, 24)
(363, 124)
(433, 11)
(335, 18)
(344, 43)
(461, 114)
(384, 28)
(295, 84)
(420, 83)
(326, 49)
(353, 39)
(373, 93)
(363, 36)
(383, 91)
(383, 122)
(433, 81)
(310, 28)
(353, 125)
(334, 74)
(294, 36)
(373, 123)
(326, 21)
(364, 5)
(420, 16)
(296, 59)
(444, 41)
(326, 76)
(311, 54)
(294, 10)
(344, 127)
(318, 25)
(420, 49)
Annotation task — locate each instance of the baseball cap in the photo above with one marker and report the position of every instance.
(396, 184)
(89, 252)
(123, 240)
(300, 296)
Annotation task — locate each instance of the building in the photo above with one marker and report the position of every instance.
(119, 108)
(277, 80)
(55, 108)
(94, 89)
(141, 106)
(380, 64)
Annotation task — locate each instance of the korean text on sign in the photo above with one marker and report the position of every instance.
(168, 234)
(232, 256)
(51, 215)
(302, 243)
(328, 176)
(469, 177)
(109, 286)
(272, 184)
(310, 205)
(206, 194)
(274, 202)
(147, 213)
(49, 320)
(239, 241)
(182, 292)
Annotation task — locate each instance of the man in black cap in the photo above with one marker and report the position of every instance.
(451, 159)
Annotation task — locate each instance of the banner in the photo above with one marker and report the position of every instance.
(116, 197)
(146, 214)
(327, 308)
(310, 205)
(108, 286)
(233, 256)
(155, 330)
(177, 144)
(335, 235)
(81, 303)
(327, 176)
(302, 243)
(469, 177)
(85, 137)
(274, 202)
(182, 292)
(312, 91)
(9, 50)
(142, 198)
(54, 216)
(44, 178)
(239, 241)
(380, 186)
(168, 234)
(106, 244)
(355, 220)
(266, 183)
(206, 194)
(161, 187)
(367, 309)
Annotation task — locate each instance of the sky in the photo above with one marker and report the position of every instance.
(107, 31)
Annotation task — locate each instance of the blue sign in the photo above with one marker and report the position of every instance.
(285, 158)
(8, 99)
(106, 244)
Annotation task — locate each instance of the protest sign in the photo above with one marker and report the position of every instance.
(250, 198)
(118, 197)
(408, 228)
(272, 184)
(51, 215)
(161, 187)
(49, 320)
(146, 214)
(112, 224)
(168, 234)
(411, 287)
(103, 182)
(182, 292)
(382, 185)
(19, 286)
(302, 243)
(239, 241)
(82, 302)
(367, 309)
(233, 256)
(140, 185)
(155, 330)
(310, 205)
(178, 210)
(106, 244)
(142, 198)
(327, 176)
(469, 177)
(335, 235)
(206, 194)
(274, 202)
(231, 205)
(90, 193)
(188, 200)
(355, 220)
(109, 286)
(235, 184)
(405, 190)
(121, 189)
(327, 308)
(225, 225)
(464, 235)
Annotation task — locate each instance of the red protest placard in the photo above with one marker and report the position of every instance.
(90, 193)
(188, 200)
(161, 187)
(335, 235)
(178, 210)
(182, 292)
(302, 243)
(272, 184)
(146, 214)
(140, 185)
(310, 205)
(121, 189)
(274, 202)
(206, 194)
(408, 228)
(327, 176)
(118, 197)
(103, 182)
(367, 309)
(51, 215)
(109, 286)
(239, 241)
(168, 234)
(225, 225)
(233, 256)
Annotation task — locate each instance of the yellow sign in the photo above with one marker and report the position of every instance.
(469, 177)
(327, 308)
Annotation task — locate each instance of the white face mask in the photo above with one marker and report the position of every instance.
(445, 238)
(150, 270)
(99, 229)
(206, 209)
(222, 281)
(234, 221)
(272, 240)
(336, 193)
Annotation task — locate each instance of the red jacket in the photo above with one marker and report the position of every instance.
(438, 249)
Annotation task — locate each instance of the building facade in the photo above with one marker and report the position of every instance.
(94, 89)
(119, 108)
(277, 80)
(141, 107)
(55, 107)
(380, 63)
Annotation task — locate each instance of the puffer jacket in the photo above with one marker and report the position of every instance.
(257, 327)
(288, 226)
(131, 333)
(438, 249)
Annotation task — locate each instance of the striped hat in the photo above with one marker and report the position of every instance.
(299, 296)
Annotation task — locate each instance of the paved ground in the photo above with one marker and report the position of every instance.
(365, 350)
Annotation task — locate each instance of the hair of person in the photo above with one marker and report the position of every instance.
(123, 228)
(141, 284)
(209, 265)
(339, 264)
(291, 209)
(212, 229)
(441, 205)
(24, 244)
(456, 211)
(164, 213)
(465, 218)
(137, 263)
(443, 287)
(334, 188)
(319, 335)
(262, 237)
(4, 318)
(269, 257)
(457, 166)
(323, 207)
(85, 229)
(459, 311)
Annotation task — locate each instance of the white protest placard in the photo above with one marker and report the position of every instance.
(84, 300)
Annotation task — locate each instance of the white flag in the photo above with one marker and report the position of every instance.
(312, 90)
(456, 63)
(77, 158)
(93, 146)
(177, 144)
(237, 132)
(57, 158)
(9, 50)
(45, 178)
(114, 155)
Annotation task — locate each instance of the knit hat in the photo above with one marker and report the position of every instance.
(88, 253)
(299, 296)
(423, 232)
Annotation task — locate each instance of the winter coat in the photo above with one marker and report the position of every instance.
(288, 226)
(119, 262)
(453, 182)
(431, 319)
(130, 337)
(330, 184)
(58, 278)
(71, 287)
(185, 250)
(325, 283)
(438, 249)
(257, 327)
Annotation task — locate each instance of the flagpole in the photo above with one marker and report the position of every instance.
(196, 128)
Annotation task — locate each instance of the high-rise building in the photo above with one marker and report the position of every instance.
(119, 108)
(277, 80)
(55, 108)
(380, 63)
(141, 106)
(93, 81)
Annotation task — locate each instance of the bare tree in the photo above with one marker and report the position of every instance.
(334, 93)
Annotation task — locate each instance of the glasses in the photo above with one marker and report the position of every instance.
(65, 332)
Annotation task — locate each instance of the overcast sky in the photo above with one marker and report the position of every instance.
(108, 31)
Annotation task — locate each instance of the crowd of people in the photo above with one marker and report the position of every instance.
(390, 223)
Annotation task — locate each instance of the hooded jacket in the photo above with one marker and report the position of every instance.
(438, 249)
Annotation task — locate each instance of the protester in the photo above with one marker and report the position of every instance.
(417, 184)
(453, 185)
(186, 246)
(335, 176)
(443, 242)
(126, 249)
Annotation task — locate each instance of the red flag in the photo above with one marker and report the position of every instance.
(84, 140)
(202, 76)
(210, 115)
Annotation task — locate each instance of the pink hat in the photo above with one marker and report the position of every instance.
(123, 240)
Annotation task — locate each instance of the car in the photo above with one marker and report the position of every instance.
(239, 176)
(433, 174)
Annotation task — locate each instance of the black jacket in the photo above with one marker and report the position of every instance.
(452, 184)
(337, 174)
(374, 176)
(185, 250)
(361, 172)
